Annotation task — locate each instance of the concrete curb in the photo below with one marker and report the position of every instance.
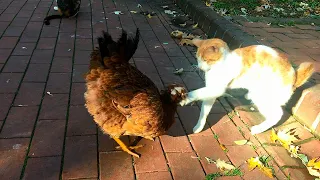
(307, 109)
(215, 25)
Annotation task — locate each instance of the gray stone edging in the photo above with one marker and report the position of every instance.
(215, 25)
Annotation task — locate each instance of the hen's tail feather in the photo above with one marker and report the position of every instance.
(132, 45)
(128, 46)
(125, 47)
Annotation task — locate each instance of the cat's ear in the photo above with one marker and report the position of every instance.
(197, 42)
(215, 49)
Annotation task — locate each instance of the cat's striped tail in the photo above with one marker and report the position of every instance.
(303, 73)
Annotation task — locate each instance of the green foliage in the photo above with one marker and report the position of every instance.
(233, 172)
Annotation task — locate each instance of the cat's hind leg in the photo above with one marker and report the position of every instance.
(272, 114)
(205, 110)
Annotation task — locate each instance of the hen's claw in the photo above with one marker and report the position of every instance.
(132, 147)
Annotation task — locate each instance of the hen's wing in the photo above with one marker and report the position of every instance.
(123, 82)
(135, 96)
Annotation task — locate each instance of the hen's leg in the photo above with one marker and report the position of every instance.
(125, 148)
(134, 145)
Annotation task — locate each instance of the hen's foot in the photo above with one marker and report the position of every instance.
(125, 148)
(132, 147)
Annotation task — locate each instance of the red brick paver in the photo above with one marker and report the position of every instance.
(47, 133)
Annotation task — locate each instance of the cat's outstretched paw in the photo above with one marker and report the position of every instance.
(55, 8)
(185, 101)
(256, 130)
(197, 128)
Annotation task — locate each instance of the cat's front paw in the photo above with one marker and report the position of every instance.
(197, 128)
(256, 130)
(55, 8)
(186, 100)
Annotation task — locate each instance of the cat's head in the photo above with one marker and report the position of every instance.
(210, 51)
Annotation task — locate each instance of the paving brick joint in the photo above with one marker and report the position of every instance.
(47, 133)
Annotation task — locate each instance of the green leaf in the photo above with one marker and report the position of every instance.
(303, 158)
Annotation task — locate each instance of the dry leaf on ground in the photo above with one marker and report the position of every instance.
(188, 36)
(195, 26)
(178, 71)
(223, 147)
(286, 138)
(294, 150)
(209, 160)
(183, 24)
(313, 167)
(177, 34)
(182, 35)
(315, 162)
(255, 162)
(223, 166)
(169, 12)
(187, 42)
(241, 142)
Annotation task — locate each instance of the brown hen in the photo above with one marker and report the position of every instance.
(121, 99)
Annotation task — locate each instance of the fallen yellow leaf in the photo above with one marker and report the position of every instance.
(267, 171)
(255, 162)
(208, 4)
(241, 142)
(134, 12)
(223, 147)
(195, 26)
(223, 166)
(273, 136)
(315, 163)
(149, 16)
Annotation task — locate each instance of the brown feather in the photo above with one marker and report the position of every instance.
(123, 101)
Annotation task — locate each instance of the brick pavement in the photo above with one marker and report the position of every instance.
(46, 133)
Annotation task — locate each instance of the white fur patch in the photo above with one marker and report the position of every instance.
(269, 50)
(203, 65)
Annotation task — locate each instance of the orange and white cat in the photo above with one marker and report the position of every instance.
(267, 75)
